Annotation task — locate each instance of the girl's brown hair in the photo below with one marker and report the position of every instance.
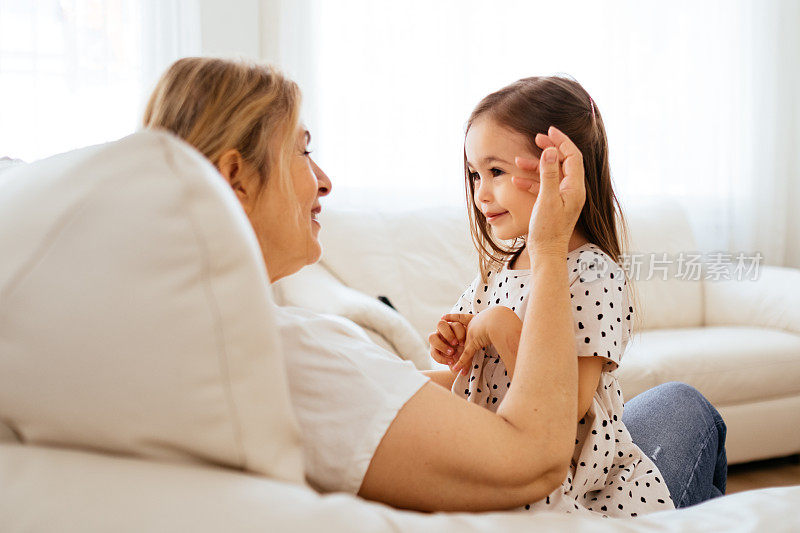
(530, 106)
(220, 104)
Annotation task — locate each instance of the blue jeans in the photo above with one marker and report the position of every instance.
(684, 436)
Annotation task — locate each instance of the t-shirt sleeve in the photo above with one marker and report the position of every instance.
(598, 298)
(345, 390)
(464, 305)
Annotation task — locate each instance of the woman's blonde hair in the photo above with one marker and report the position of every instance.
(220, 104)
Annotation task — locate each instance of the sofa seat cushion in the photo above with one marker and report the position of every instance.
(729, 365)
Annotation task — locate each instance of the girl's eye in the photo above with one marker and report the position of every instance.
(496, 172)
(474, 176)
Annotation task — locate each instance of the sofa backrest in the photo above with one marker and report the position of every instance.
(135, 311)
(422, 260)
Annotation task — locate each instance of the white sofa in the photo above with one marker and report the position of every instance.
(737, 341)
(142, 387)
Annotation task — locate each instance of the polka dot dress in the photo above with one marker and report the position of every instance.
(609, 475)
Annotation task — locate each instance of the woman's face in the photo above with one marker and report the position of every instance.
(490, 150)
(286, 224)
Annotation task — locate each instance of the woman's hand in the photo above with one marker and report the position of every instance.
(447, 341)
(561, 192)
(489, 327)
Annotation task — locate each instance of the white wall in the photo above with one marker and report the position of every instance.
(231, 28)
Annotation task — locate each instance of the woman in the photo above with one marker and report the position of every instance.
(371, 423)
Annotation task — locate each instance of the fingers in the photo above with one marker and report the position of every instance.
(462, 365)
(526, 184)
(456, 317)
(543, 141)
(460, 331)
(466, 357)
(440, 351)
(573, 160)
(446, 332)
(549, 173)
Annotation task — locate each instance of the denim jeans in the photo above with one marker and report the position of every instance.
(684, 436)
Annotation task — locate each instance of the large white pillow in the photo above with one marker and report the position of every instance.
(135, 311)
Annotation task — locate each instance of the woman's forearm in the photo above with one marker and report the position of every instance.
(544, 393)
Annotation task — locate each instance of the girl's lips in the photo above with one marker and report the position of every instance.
(492, 218)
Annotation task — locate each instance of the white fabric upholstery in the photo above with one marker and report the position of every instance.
(135, 311)
(421, 260)
(658, 228)
(315, 288)
(66, 491)
(770, 301)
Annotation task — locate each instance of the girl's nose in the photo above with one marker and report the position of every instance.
(483, 192)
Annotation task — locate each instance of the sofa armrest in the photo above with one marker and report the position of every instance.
(770, 301)
(317, 289)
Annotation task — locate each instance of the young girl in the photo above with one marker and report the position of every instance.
(608, 474)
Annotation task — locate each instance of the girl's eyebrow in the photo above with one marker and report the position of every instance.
(493, 159)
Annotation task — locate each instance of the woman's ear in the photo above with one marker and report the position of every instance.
(232, 167)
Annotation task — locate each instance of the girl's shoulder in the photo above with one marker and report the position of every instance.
(589, 262)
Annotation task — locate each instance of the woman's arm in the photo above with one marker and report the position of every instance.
(505, 337)
(442, 453)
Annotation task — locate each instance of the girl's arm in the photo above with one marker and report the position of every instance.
(441, 453)
(444, 378)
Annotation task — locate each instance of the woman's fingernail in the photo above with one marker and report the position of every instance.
(550, 156)
(449, 350)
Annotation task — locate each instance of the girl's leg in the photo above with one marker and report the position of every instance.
(684, 436)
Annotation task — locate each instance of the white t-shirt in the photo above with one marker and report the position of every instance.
(346, 391)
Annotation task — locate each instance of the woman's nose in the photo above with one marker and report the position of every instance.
(323, 181)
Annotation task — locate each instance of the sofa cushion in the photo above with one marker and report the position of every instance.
(660, 236)
(422, 260)
(135, 311)
(729, 365)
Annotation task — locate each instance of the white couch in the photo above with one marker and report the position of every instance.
(737, 341)
(142, 387)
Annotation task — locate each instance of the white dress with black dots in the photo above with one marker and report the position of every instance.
(609, 474)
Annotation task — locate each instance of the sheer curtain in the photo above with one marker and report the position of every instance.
(699, 98)
(77, 72)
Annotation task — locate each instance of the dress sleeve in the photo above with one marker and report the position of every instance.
(465, 301)
(598, 298)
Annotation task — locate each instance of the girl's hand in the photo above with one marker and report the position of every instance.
(561, 192)
(446, 341)
(482, 329)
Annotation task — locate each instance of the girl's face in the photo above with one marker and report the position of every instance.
(491, 149)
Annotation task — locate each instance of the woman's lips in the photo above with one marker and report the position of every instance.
(492, 217)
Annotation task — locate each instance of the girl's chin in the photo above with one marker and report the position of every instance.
(506, 235)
